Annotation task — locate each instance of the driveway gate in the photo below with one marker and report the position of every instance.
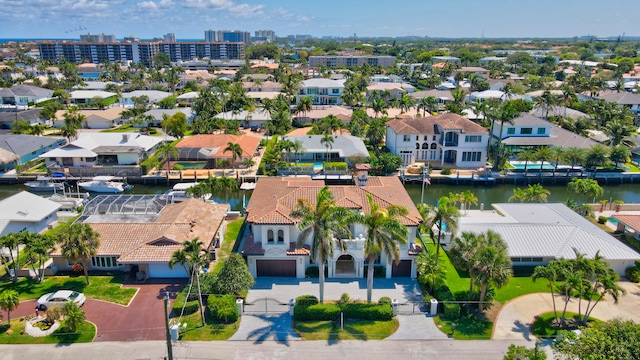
(265, 306)
(414, 307)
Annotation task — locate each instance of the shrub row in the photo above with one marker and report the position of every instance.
(308, 309)
(633, 272)
(338, 165)
(223, 308)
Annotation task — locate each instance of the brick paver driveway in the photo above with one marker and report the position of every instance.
(143, 319)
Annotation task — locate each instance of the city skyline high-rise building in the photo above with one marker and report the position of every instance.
(227, 36)
(169, 37)
(98, 38)
(264, 35)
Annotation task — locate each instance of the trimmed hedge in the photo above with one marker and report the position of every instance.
(633, 272)
(385, 300)
(382, 312)
(317, 312)
(313, 272)
(451, 311)
(306, 300)
(334, 166)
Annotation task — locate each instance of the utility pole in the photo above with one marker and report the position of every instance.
(166, 325)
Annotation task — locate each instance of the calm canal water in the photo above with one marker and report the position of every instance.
(629, 193)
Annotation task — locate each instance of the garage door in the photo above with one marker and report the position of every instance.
(276, 268)
(403, 269)
(161, 270)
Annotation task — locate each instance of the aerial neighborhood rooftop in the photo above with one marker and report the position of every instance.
(240, 177)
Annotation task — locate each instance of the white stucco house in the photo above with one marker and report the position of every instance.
(271, 247)
(446, 140)
(25, 211)
(92, 149)
(322, 91)
(536, 233)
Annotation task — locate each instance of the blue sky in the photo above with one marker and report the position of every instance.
(188, 19)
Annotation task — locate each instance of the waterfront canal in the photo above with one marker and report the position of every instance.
(487, 194)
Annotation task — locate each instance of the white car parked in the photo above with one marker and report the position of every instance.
(59, 298)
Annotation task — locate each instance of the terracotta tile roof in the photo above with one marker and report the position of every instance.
(363, 166)
(295, 251)
(251, 247)
(415, 249)
(432, 124)
(632, 221)
(274, 198)
(157, 241)
(218, 142)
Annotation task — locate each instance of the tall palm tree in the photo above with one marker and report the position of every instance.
(375, 133)
(543, 154)
(405, 103)
(304, 105)
(236, 152)
(326, 224)
(526, 155)
(559, 153)
(12, 242)
(168, 150)
(462, 251)
(550, 273)
(79, 242)
(327, 141)
(9, 301)
(192, 257)
(384, 232)
(444, 216)
(429, 269)
(37, 249)
(597, 155)
(492, 266)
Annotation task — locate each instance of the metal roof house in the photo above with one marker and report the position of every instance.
(540, 232)
(27, 147)
(25, 211)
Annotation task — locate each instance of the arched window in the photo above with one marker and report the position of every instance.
(434, 146)
(270, 236)
(425, 145)
(280, 236)
(417, 146)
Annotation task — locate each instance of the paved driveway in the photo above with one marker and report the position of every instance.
(266, 314)
(142, 319)
(516, 316)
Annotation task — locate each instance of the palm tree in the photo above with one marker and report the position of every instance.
(533, 193)
(236, 152)
(619, 154)
(74, 316)
(462, 251)
(376, 133)
(79, 242)
(618, 130)
(587, 187)
(384, 232)
(9, 301)
(429, 269)
(405, 103)
(550, 273)
(444, 217)
(597, 155)
(11, 241)
(560, 154)
(526, 155)
(543, 154)
(37, 248)
(192, 257)
(574, 156)
(304, 105)
(327, 140)
(492, 266)
(327, 224)
(168, 150)
(469, 198)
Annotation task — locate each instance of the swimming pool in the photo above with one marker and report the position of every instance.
(531, 165)
(317, 166)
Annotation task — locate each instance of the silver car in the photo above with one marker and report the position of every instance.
(59, 298)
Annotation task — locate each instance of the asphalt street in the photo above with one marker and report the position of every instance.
(250, 350)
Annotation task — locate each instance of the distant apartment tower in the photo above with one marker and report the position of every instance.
(98, 38)
(227, 36)
(138, 52)
(264, 35)
(333, 61)
(131, 38)
(169, 38)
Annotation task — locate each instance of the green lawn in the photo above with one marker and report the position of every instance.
(468, 327)
(230, 236)
(517, 286)
(121, 129)
(211, 331)
(353, 330)
(86, 333)
(542, 325)
(105, 287)
(632, 167)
